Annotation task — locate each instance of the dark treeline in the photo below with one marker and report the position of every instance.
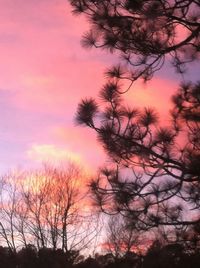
(150, 191)
(156, 257)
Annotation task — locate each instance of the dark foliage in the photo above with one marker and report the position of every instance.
(172, 255)
(89, 263)
(158, 256)
(164, 175)
(145, 33)
(27, 257)
(155, 176)
(7, 258)
(30, 257)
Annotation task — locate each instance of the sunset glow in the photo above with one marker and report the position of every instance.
(44, 74)
(100, 133)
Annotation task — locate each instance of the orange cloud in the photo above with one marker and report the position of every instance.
(50, 153)
(80, 140)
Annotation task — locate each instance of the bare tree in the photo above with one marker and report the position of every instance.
(122, 238)
(35, 196)
(10, 203)
(47, 208)
(56, 203)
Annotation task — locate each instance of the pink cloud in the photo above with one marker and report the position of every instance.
(60, 90)
(44, 64)
(79, 140)
(45, 72)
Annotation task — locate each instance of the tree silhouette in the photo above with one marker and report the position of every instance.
(163, 176)
(46, 208)
(170, 255)
(154, 178)
(7, 258)
(144, 33)
(51, 196)
(88, 263)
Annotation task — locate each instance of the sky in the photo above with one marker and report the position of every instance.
(44, 73)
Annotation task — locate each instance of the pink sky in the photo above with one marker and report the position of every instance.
(44, 72)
